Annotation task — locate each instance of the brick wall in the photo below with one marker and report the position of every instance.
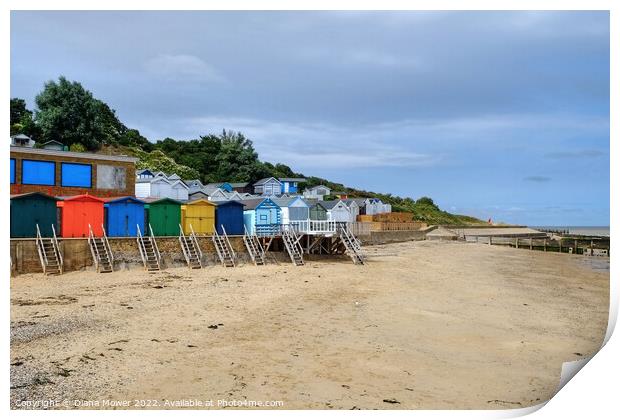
(58, 190)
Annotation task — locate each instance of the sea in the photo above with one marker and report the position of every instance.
(579, 230)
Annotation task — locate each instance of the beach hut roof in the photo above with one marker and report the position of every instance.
(121, 199)
(229, 203)
(256, 202)
(293, 179)
(282, 201)
(179, 182)
(200, 200)
(152, 200)
(265, 180)
(25, 195)
(330, 204)
(238, 184)
(317, 204)
(81, 197)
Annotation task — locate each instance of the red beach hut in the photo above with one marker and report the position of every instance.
(77, 212)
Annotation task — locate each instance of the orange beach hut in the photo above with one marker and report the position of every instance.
(79, 211)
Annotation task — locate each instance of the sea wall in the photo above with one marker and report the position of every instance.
(77, 256)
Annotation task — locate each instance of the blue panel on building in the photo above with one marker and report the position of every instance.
(123, 215)
(12, 171)
(75, 175)
(38, 172)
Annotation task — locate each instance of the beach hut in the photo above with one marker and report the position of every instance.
(354, 209)
(200, 215)
(337, 211)
(164, 216)
(179, 191)
(262, 216)
(28, 210)
(79, 211)
(317, 212)
(122, 215)
(153, 187)
(293, 209)
(268, 186)
(229, 214)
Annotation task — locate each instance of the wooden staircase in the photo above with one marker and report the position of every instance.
(292, 245)
(191, 248)
(223, 247)
(151, 258)
(101, 251)
(49, 253)
(352, 245)
(254, 247)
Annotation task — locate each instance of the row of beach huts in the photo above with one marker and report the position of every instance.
(203, 210)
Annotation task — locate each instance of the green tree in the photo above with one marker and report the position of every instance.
(21, 119)
(70, 114)
(77, 147)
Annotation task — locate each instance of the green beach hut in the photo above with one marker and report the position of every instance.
(28, 210)
(164, 216)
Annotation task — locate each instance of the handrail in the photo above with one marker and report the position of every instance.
(140, 241)
(216, 238)
(41, 250)
(91, 242)
(248, 244)
(183, 242)
(230, 248)
(57, 249)
(108, 248)
(154, 242)
(194, 238)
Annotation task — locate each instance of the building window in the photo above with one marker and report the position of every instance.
(38, 172)
(75, 175)
(12, 171)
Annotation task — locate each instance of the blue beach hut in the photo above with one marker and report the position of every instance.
(122, 214)
(262, 216)
(230, 215)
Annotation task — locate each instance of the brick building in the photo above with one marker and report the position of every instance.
(62, 173)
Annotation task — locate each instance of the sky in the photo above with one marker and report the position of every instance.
(501, 115)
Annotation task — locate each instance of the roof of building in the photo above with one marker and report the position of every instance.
(152, 180)
(318, 186)
(122, 198)
(239, 184)
(82, 155)
(255, 202)
(24, 195)
(21, 137)
(151, 200)
(330, 204)
(53, 142)
(174, 177)
(282, 201)
(80, 197)
(292, 179)
(264, 181)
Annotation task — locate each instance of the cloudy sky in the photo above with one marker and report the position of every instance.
(495, 114)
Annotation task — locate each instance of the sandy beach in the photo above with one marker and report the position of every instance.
(425, 325)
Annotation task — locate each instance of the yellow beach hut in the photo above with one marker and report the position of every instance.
(200, 215)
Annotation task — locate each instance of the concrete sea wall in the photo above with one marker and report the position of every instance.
(77, 256)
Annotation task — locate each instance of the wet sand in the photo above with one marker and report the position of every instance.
(424, 325)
